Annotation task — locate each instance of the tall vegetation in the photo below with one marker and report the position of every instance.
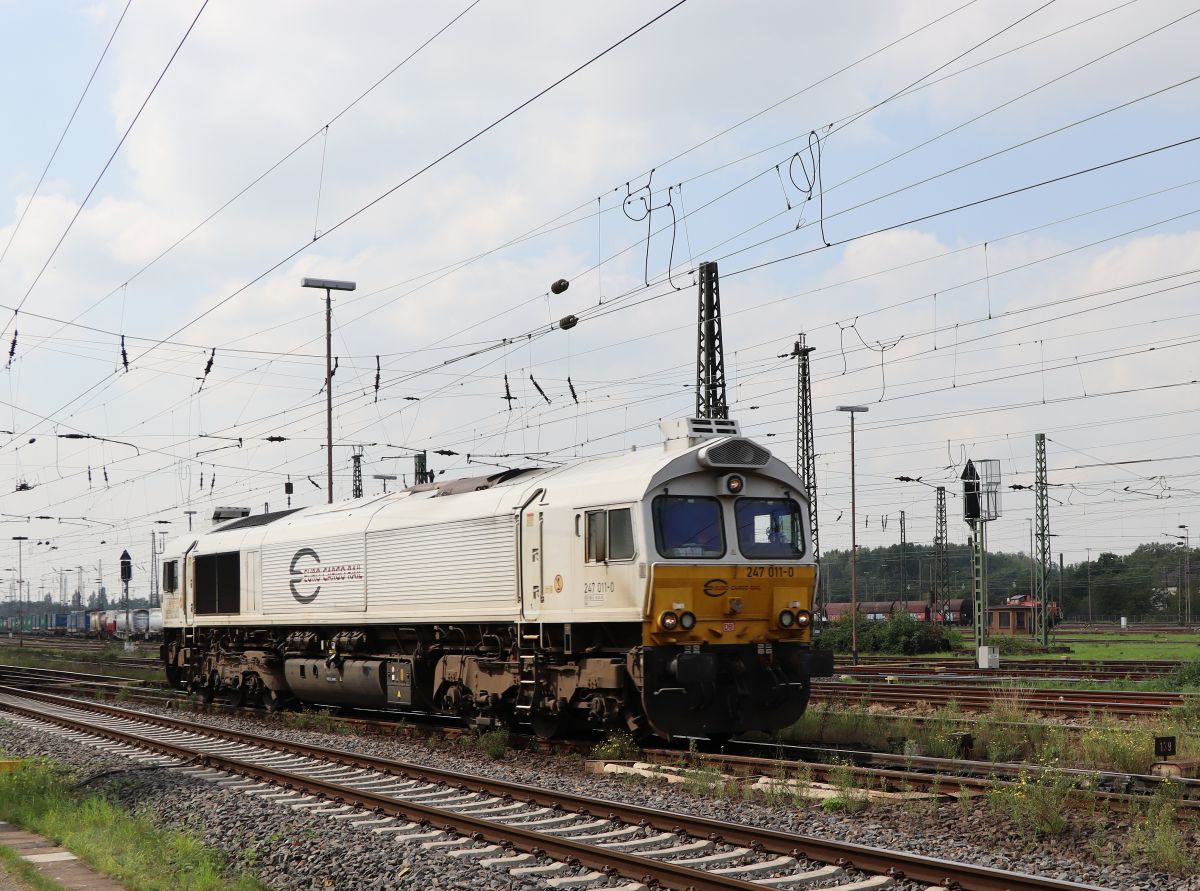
(1142, 585)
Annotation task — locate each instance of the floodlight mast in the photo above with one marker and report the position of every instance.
(328, 285)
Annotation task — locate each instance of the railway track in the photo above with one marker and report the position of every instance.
(489, 819)
(1044, 701)
(907, 773)
(871, 770)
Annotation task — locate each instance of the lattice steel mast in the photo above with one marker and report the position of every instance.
(1041, 485)
(806, 453)
(356, 488)
(941, 561)
(711, 401)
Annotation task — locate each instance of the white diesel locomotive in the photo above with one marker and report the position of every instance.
(665, 590)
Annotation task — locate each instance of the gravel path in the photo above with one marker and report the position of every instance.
(293, 850)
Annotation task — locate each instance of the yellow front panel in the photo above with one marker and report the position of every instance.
(733, 603)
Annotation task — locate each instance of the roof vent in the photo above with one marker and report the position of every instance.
(735, 452)
(687, 432)
(221, 514)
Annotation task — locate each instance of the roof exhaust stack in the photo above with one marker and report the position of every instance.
(683, 433)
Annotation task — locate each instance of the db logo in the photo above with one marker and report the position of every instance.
(558, 584)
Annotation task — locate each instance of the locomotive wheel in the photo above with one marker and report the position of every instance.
(271, 700)
(236, 696)
(546, 725)
(209, 691)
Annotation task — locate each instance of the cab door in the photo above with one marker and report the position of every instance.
(187, 570)
(533, 591)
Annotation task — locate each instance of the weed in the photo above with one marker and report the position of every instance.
(1035, 802)
(964, 803)
(1158, 838)
(493, 743)
(313, 719)
(999, 729)
(619, 746)
(1117, 746)
(842, 778)
(703, 780)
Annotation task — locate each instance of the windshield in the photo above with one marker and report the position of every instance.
(769, 528)
(688, 527)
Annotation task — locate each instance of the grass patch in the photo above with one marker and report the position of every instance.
(25, 658)
(1120, 647)
(25, 871)
(128, 846)
(493, 743)
(313, 719)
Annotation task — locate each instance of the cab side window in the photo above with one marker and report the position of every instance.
(170, 576)
(620, 534)
(597, 536)
(609, 535)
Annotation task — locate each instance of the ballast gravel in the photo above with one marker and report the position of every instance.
(284, 848)
(291, 850)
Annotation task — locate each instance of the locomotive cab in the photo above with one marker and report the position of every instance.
(727, 628)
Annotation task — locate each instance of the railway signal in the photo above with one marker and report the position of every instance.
(126, 577)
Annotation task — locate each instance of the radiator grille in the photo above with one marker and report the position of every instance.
(735, 453)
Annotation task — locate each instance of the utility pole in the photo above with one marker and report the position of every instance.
(903, 561)
(941, 560)
(356, 489)
(328, 286)
(711, 401)
(190, 514)
(806, 455)
(1041, 495)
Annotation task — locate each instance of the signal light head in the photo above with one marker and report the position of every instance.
(669, 621)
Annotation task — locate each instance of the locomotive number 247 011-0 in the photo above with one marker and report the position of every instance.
(770, 572)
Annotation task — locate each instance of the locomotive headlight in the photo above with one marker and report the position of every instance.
(669, 621)
(687, 621)
(787, 618)
(803, 618)
(734, 483)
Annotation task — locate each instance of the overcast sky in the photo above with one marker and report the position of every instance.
(966, 314)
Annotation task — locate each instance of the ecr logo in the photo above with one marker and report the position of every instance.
(716, 587)
(298, 575)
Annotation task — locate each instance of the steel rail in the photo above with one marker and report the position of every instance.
(472, 828)
(898, 864)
